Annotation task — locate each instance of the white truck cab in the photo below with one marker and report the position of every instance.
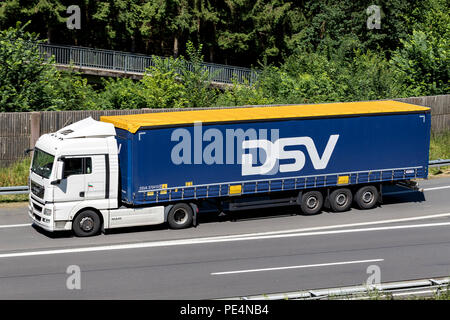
(74, 182)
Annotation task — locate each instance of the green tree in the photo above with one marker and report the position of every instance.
(196, 79)
(48, 12)
(243, 94)
(180, 22)
(121, 20)
(122, 93)
(303, 78)
(30, 82)
(152, 25)
(368, 77)
(161, 85)
(422, 66)
(69, 91)
(23, 73)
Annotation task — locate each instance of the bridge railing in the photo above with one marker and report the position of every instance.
(135, 63)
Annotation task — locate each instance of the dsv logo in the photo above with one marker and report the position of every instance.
(275, 151)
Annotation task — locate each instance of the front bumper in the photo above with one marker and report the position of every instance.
(36, 212)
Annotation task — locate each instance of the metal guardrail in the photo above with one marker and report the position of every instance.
(136, 63)
(14, 190)
(439, 163)
(389, 290)
(24, 189)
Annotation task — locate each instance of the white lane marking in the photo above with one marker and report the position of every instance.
(297, 267)
(167, 243)
(15, 225)
(358, 224)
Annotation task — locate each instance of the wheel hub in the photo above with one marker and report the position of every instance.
(367, 197)
(87, 224)
(341, 199)
(180, 216)
(311, 202)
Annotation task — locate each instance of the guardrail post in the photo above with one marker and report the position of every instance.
(35, 124)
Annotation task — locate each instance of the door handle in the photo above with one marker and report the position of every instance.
(82, 194)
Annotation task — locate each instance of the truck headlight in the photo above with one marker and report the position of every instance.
(47, 212)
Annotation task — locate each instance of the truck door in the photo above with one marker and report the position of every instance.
(96, 177)
(73, 183)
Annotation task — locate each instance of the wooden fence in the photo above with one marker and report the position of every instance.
(20, 130)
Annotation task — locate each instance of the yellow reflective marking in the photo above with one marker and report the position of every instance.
(343, 180)
(236, 189)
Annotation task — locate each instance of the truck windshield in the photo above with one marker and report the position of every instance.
(42, 163)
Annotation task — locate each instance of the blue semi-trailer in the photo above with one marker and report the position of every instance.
(161, 167)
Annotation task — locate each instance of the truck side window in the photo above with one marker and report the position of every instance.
(88, 166)
(74, 166)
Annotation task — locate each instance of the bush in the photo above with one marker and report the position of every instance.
(422, 66)
(161, 85)
(69, 91)
(242, 94)
(23, 73)
(196, 79)
(28, 82)
(122, 93)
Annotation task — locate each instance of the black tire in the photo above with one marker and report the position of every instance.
(366, 197)
(180, 216)
(312, 202)
(87, 223)
(340, 199)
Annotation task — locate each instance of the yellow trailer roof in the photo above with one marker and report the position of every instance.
(133, 122)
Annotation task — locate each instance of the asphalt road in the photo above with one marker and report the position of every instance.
(256, 252)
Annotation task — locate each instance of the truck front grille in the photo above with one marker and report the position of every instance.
(37, 207)
(37, 190)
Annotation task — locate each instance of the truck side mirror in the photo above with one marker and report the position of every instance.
(59, 171)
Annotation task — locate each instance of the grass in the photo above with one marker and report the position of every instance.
(443, 294)
(440, 145)
(440, 149)
(17, 174)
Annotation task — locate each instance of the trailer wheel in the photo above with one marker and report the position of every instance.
(341, 199)
(366, 197)
(312, 202)
(180, 216)
(87, 223)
